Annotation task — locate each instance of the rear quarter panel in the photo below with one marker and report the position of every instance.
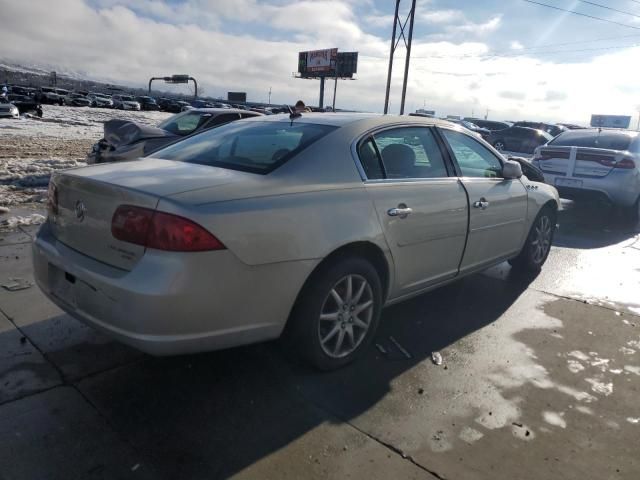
(305, 209)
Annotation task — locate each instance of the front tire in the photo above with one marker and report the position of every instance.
(337, 313)
(538, 243)
(499, 145)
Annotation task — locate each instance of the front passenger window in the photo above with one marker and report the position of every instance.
(474, 159)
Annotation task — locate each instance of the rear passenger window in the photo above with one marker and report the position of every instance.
(370, 160)
(410, 152)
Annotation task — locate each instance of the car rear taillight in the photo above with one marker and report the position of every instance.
(160, 230)
(52, 198)
(626, 163)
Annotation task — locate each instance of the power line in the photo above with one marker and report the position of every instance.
(609, 8)
(583, 14)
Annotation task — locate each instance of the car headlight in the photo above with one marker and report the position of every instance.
(13, 109)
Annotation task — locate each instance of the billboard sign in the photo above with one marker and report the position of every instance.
(610, 121)
(319, 61)
(177, 79)
(237, 97)
(327, 63)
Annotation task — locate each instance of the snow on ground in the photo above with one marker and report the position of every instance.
(73, 122)
(32, 148)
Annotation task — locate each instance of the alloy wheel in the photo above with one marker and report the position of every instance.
(499, 146)
(541, 241)
(345, 316)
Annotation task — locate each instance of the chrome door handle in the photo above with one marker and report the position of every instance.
(401, 212)
(481, 204)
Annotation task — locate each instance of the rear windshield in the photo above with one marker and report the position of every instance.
(184, 123)
(250, 146)
(610, 140)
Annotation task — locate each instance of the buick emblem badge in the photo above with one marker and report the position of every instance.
(80, 210)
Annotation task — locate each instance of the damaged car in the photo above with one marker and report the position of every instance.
(127, 140)
(26, 104)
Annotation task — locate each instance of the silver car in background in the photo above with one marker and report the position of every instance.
(125, 102)
(295, 226)
(595, 162)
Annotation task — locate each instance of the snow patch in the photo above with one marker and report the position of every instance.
(597, 386)
(13, 222)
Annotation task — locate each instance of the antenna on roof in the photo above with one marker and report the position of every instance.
(293, 114)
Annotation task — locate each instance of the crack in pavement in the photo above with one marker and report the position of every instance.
(586, 302)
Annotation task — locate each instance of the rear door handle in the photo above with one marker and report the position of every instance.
(401, 212)
(482, 203)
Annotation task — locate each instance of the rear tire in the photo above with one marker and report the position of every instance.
(538, 243)
(633, 212)
(337, 313)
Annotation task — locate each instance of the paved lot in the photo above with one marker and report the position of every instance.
(541, 380)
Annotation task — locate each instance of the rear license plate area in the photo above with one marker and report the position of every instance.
(62, 285)
(568, 182)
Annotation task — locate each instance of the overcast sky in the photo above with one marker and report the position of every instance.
(517, 59)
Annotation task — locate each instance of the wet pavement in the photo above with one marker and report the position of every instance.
(540, 379)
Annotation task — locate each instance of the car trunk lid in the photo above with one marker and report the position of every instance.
(88, 197)
(125, 132)
(579, 162)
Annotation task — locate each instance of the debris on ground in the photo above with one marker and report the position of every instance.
(15, 284)
(381, 349)
(4, 210)
(436, 358)
(400, 347)
(14, 222)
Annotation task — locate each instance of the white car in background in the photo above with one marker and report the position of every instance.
(594, 163)
(100, 100)
(125, 102)
(8, 110)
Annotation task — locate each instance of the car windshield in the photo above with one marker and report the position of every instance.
(611, 140)
(125, 98)
(250, 146)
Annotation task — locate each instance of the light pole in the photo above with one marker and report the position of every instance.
(269, 95)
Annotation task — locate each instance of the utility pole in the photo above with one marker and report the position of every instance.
(486, 116)
(321, 102)
(269, 95)
(335, 88)
(395, 40)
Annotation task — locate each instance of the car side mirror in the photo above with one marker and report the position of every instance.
(511, 170)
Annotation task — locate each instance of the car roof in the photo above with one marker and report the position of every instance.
(220, 110)
(596, 131)
(345, 118)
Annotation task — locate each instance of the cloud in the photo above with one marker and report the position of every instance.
(377, 20)
(516, 45)
(555, 96)
(489, 26)
(249, 46)
(512, 95)
(442, 16)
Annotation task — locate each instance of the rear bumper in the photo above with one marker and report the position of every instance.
(170, 303)
(621, 189)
